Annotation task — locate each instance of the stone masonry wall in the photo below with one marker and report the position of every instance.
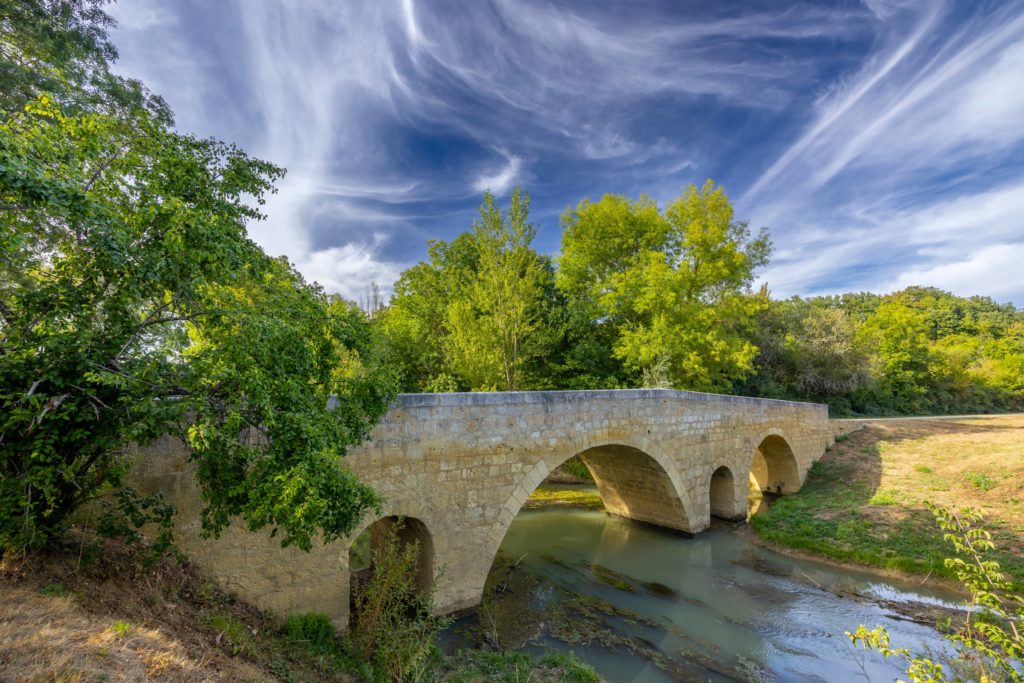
(463, 464)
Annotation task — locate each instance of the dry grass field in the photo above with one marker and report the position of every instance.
(107, 615)
(866, 500)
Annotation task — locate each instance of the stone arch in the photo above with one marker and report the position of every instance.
(623, 473)
(408, 530)
(725, 503)
(773, 466)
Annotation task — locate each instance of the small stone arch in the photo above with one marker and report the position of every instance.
(408, 530)
(773, 466)
(725, 503)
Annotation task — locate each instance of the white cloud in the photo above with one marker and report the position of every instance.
(139, 15)
(341, 94)
(940, 244)
(992, 270)
(349, 269)
(907, 169)
(501, 181)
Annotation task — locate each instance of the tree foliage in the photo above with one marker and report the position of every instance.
(477, 316)
(133, 304)
(920, 350)
(661, 297)
(673, 285)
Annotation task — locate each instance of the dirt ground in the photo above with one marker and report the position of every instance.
(107, 616)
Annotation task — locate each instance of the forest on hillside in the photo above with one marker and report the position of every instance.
(645, 296)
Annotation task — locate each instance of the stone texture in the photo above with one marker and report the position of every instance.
(462, 465)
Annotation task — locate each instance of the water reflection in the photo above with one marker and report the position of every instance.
(642, 604)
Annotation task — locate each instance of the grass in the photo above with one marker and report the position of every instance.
(120, 618)
(233, 635)
(864, 501)
(981, 481)
(564, 496)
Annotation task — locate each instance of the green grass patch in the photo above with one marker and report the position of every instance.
(981, 481)
(558, 496)
(233, 635)
(887, 497)
(923, 469)
(55, 590)
(829, 517)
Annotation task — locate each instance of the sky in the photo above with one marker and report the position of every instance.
(881, 142)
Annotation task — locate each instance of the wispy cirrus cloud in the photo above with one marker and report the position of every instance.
(909, 172)
(831, 123)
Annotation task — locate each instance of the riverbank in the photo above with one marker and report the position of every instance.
(556, 495)
(864, 502)
(97, 610)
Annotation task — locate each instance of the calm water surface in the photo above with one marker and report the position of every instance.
(641, 604)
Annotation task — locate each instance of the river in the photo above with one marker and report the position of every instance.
(643, 604)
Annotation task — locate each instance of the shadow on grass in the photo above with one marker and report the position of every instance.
(842, 513)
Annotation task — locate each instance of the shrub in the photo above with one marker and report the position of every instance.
(981, 481)
(576, 468)
(990, 643)
(393, 623)
(121, 628)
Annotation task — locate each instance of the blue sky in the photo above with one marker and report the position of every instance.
(881, 142)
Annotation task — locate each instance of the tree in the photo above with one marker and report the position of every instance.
(674, 284)
(494, 323)
(132, 304)
(807, 350)
(897, 336)
(416, 323)
(479, 315)
(61, 48)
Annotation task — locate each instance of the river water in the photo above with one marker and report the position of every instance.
(643, 604)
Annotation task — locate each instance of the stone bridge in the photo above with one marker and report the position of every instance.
(458, 468)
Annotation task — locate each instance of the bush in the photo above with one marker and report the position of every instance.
(393, 623)
(989, 644)
(982, 481)
(576, 468)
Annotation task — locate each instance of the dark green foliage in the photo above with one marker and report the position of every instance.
(130, 512)
(314, 632)
(133, 304)
(918, 351)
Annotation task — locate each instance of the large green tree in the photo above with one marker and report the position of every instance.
(674, 285)
(133, 304)
(480, 314)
